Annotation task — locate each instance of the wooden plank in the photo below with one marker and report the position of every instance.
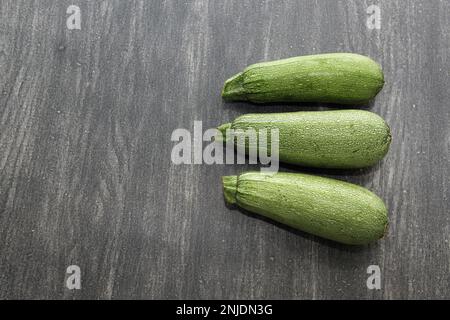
(86, 179)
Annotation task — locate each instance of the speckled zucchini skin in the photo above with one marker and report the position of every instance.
(328, 208)
(343, 78)
(344, 139)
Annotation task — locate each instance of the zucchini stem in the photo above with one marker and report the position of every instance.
(230, 189)
(222, 137)
(233, 90)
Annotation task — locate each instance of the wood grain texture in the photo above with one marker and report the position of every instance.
(85, 173)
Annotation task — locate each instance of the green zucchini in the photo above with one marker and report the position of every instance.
(343, 78)
(328, 208)
(344, 139)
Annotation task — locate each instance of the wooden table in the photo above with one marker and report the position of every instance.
(86, 177)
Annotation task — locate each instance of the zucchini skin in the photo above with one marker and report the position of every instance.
(343, 78)
(341, 139)
(328, 208)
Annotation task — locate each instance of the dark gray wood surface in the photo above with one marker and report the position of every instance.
(86, 177)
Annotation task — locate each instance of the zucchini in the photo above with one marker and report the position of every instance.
(328, 208)
(343, 78)
(344, 139)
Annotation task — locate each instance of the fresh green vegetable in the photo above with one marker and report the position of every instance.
(327, 139)
(344, 78)
(328, 208)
